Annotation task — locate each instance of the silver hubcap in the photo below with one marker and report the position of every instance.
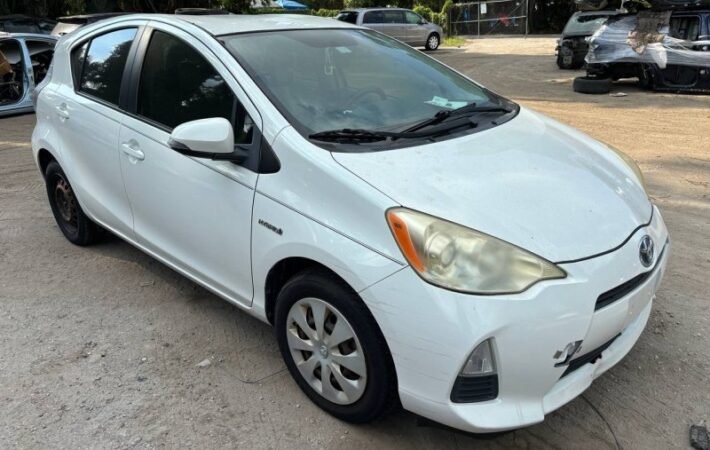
(326, 351)
(433, 42)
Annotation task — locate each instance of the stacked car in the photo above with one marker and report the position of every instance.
(666, 49)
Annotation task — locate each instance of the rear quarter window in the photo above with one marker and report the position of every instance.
(347, 16)
(103, 63)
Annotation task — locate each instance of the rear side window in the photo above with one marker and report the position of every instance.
(373, 17)
(178, 85)
(687, 27)
(103, 63)
(393, 16)
(41, 53)
(347, 16)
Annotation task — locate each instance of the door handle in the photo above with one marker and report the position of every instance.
(62, 111)
(131, 149)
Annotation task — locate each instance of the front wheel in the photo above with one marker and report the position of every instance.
(334, 349)
(433, 41)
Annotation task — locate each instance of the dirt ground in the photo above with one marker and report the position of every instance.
(99, 346)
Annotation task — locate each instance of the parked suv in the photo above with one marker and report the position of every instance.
(413, 237)
(402, 24)
(25, 60)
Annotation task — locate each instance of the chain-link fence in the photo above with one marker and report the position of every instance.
(486, 18)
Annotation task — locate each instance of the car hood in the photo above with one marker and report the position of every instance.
(531, 181)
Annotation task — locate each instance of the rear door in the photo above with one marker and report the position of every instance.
(194, 213)
(394, 24)
(87, 109)
(374, 20)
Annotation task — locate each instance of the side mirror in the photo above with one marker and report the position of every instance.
(423, 22)
(211, 138)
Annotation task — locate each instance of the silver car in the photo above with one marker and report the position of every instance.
(24, 62)
(402, 24)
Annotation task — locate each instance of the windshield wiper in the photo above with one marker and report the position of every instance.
(350, 135)
(358, 135)
(444, 115)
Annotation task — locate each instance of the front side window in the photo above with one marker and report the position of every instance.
(178, 85)
(412, 19)
(103, 64)
(351, 79)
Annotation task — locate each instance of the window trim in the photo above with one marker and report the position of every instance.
(258, 147)
(140, 29)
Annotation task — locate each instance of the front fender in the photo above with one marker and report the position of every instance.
(279, 232)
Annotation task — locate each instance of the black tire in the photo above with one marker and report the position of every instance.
(566, 59)
(380, 394)
(433, 41)
(75, 225)
(645, 78)
(588, 85)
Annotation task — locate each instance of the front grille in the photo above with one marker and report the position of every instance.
(588, 358)
(475, 389)
(622, 290)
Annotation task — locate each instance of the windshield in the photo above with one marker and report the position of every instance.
(585, 25)
(350, 79)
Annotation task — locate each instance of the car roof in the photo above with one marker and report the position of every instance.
(218, 25)
(375, 9)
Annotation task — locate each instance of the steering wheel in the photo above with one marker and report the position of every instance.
(364, 93)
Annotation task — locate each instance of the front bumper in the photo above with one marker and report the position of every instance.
(431, 331)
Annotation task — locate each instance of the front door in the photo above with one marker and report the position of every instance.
(416, 31)
(193, 213)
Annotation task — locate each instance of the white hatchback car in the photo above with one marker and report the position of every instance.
(412, 236)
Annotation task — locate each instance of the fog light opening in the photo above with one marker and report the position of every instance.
(481, 361)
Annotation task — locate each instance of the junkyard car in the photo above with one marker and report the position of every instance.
(402, 24)
(20, 23)
(24, 62)
(411, 235)
(666, 51)
(572, 46)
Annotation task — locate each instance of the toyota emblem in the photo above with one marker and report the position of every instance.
(646, 250)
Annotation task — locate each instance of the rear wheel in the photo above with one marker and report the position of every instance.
(433, 41)
(333, 348)
(75, 225)
(590, 85)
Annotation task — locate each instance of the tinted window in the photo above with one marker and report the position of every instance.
(373, 17)
(178, 85)
(104, 63)
(393, 17)
(41, 53)
(687, 28)
(347, 16)
(412, 18)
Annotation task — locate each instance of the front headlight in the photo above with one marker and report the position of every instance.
(458, 258)
(632, 165)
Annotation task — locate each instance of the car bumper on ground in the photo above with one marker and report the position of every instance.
(605, 302)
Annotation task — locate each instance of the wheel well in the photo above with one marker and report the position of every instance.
(281, 273)
(44, 158)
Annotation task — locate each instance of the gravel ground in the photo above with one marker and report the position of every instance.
(100, 346)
